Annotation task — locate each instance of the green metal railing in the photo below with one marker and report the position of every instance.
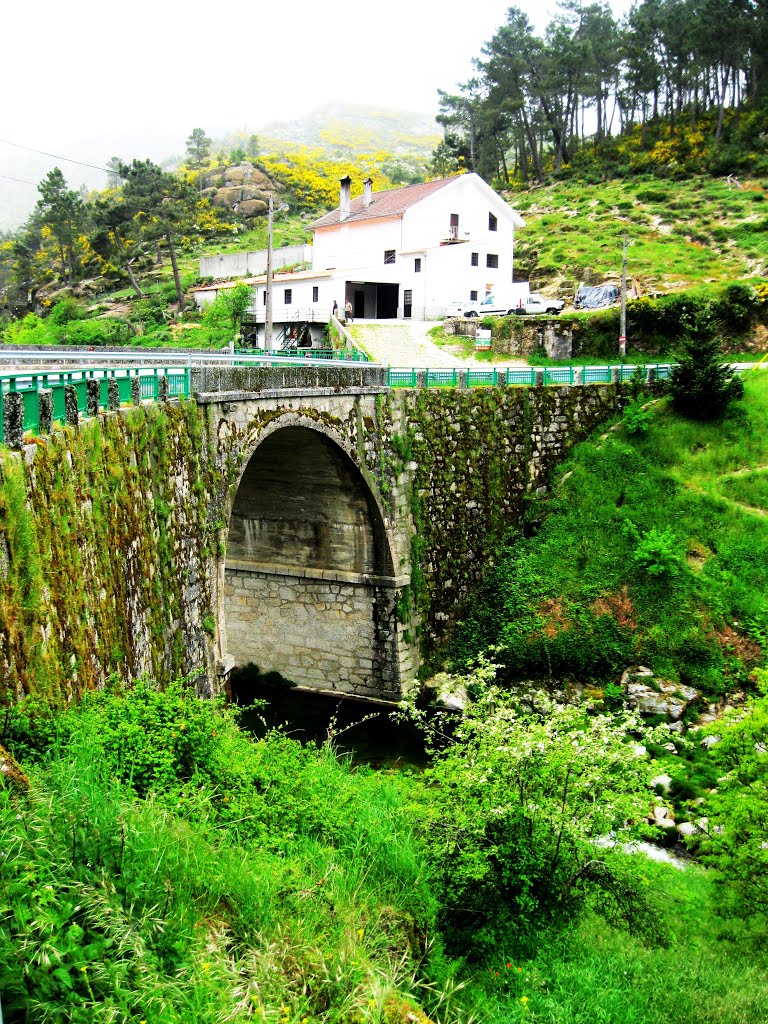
(346, 355)
(401, 377)
(178, 378)
(28, 385)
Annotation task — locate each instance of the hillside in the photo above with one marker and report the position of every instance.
(684, 233)
(651, 549)
(354, 128)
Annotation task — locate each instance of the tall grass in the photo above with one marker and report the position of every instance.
(166, 907)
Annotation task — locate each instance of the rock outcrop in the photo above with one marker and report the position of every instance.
(243, 189)
(653, 696)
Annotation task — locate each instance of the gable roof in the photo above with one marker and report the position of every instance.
(392, 203)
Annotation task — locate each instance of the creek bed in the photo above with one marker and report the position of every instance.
(365, 730)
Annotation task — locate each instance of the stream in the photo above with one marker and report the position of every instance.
(362, 729)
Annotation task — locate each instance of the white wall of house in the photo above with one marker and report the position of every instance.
(359, 244)
(431, 261)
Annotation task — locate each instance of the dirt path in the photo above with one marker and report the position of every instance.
(407, 343)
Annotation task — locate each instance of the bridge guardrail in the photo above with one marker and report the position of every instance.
(528, 376)
(179, 377)
(346, 355)
(28, 385)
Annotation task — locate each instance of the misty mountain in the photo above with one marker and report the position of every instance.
(336, 128)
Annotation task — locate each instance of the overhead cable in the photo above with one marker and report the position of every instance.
(55, 156)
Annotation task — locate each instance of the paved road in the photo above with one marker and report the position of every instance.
(407, 343)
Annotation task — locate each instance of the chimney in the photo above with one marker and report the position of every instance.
(368, 194)
(344, 198)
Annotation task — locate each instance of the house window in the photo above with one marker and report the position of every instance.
(288, 296)
(475, 259)
(315, 293)
(417, 265)
(473, 296)
(454, 232)
(389, 255)
(492, 222)
(492, 260)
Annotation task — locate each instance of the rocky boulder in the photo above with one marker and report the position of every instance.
(251, 208)
(653, 696)
(447, 691)
(243, 189)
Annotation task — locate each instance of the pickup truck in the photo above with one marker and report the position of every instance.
(491, 305)
(536, 303)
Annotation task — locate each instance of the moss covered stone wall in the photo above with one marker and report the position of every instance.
(469, 460)
(108, 538)
(112, 534)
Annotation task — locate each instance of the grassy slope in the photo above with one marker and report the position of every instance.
(257, 881)
(683, 233)
(576, 598)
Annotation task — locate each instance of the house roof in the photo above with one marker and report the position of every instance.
(391, 203)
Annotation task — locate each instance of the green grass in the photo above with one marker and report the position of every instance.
(593, 972)
(645, 552)
(683, 233)
(167, 867)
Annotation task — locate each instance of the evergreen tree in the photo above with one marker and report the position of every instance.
(701, 385)
(198, 151)
(162, 206)
(63, 212)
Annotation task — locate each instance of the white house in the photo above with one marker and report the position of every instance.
(405, 252)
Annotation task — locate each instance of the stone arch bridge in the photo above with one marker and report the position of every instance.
(357, 517)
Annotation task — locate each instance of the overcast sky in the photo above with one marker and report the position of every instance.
(91, 79)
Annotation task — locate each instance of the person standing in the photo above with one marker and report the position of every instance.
(335, 310)
(348, 311)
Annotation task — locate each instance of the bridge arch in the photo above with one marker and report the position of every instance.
(309, 587)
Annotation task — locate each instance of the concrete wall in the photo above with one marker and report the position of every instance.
(251, 264)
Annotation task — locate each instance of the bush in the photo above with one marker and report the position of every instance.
(521, 795)
(701, 385)
(636, 419)
(657, 552)
(65, 311)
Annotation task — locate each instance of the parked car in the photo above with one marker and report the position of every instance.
(496, 304)
(536, 303)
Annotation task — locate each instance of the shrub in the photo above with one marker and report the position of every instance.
(657, 552)
(636, 419)
(523, 792)
(701, 385)
(65, 311)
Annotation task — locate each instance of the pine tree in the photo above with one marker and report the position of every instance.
(701, 385)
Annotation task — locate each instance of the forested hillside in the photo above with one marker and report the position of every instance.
(676, 86)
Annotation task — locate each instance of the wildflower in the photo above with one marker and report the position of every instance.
(524, 1000)
(83, 970)
(206, 967)
(509, 965)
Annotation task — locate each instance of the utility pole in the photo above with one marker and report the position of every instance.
(623, 328)
(268, 323)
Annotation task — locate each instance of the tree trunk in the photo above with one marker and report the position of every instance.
(721, 104)
(176, 278)
(127, 265)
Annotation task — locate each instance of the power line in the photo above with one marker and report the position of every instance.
(55, 156)
(24, 181)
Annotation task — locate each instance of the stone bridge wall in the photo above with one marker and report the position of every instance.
(113, 536)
